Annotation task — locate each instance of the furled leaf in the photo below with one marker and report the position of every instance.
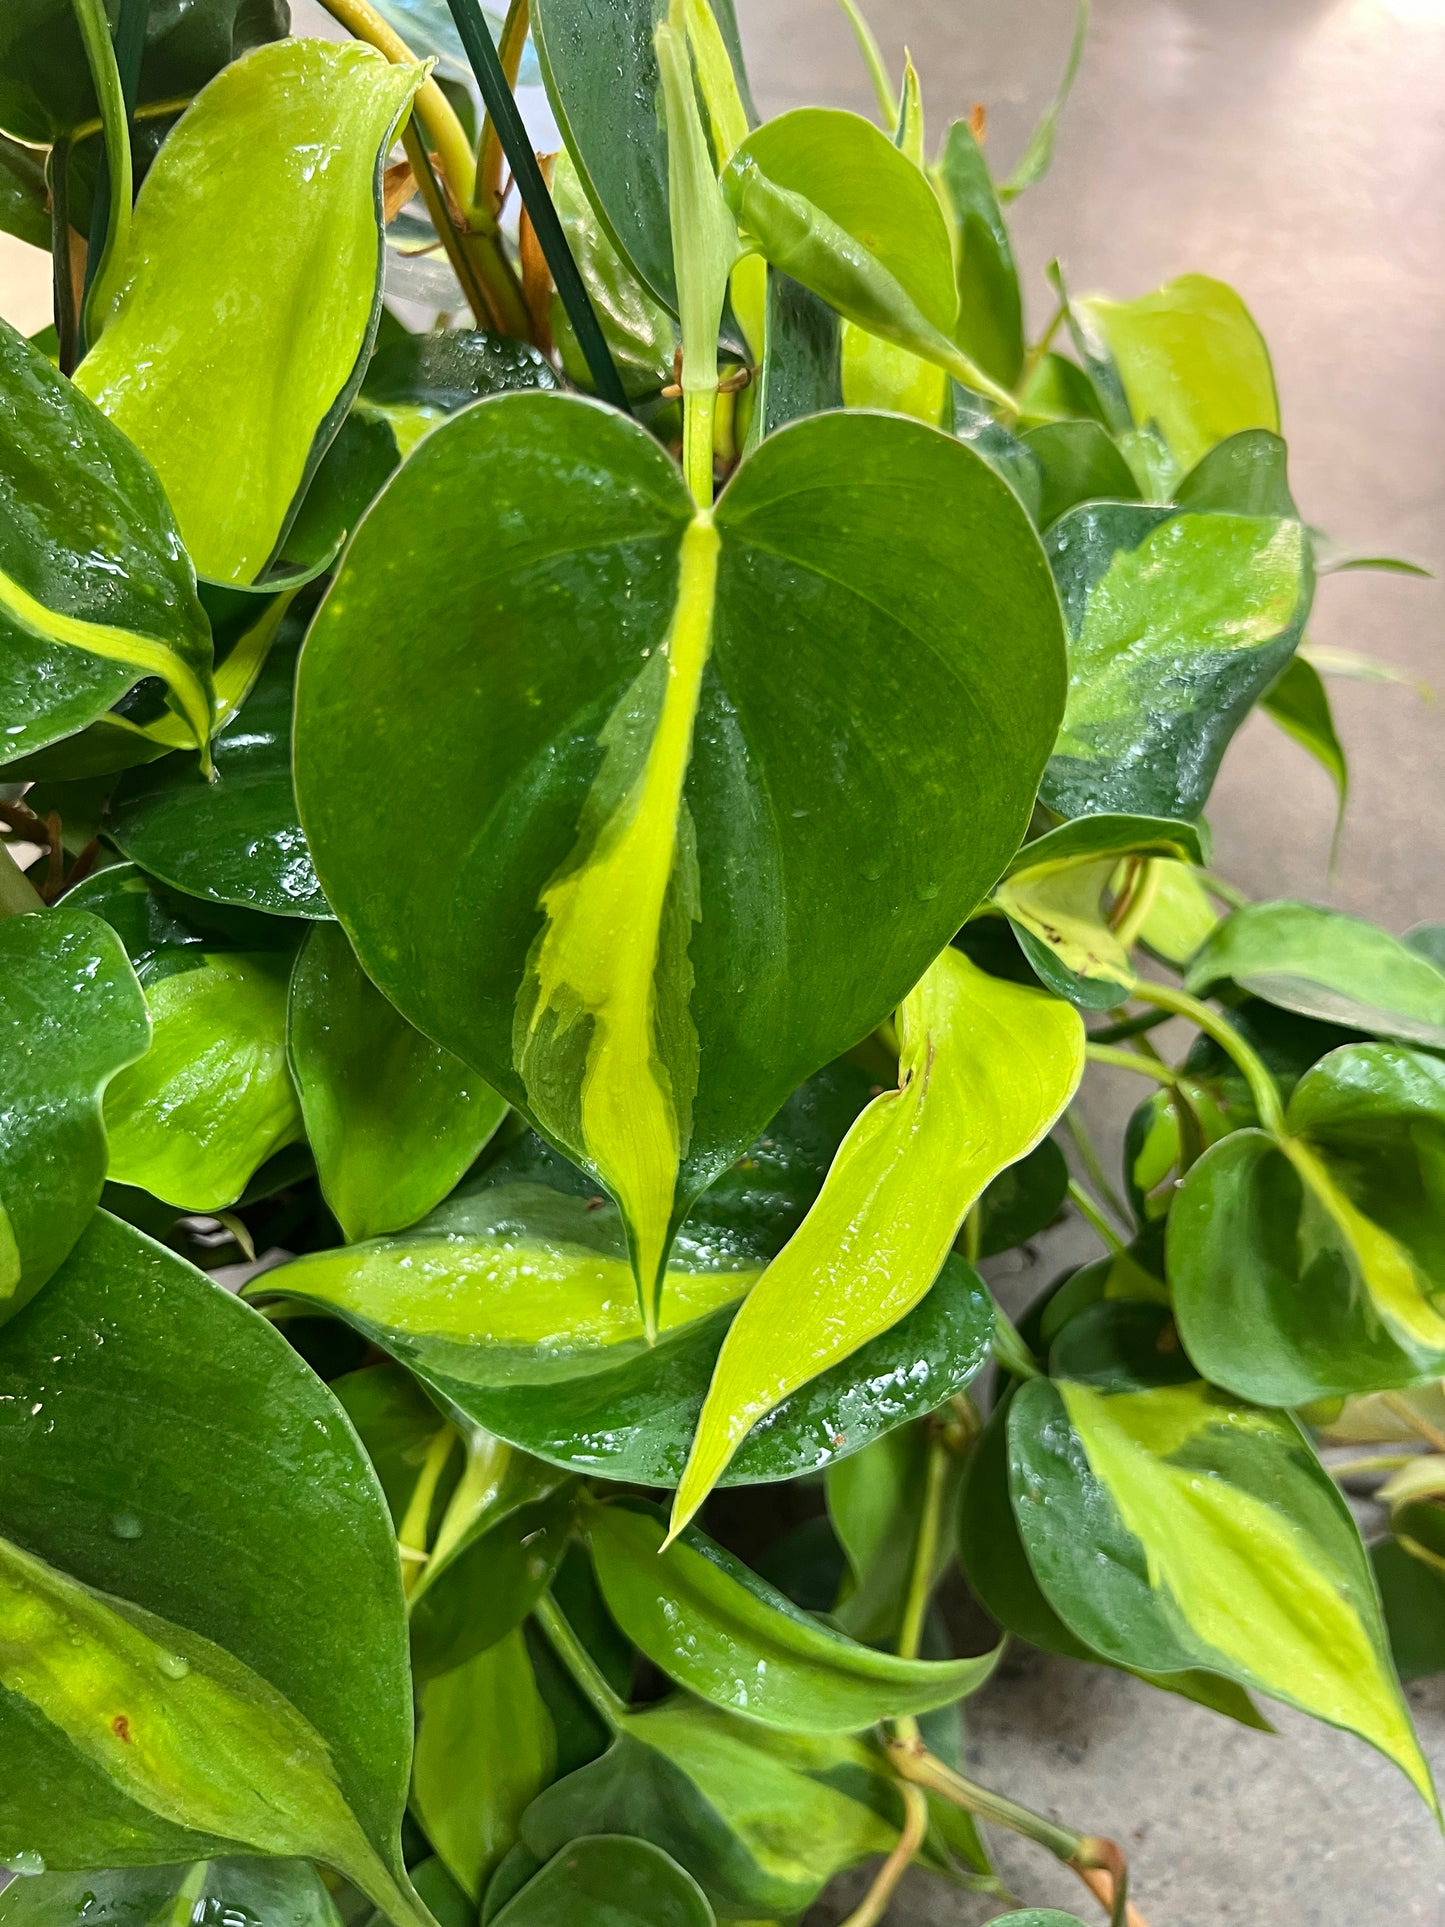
(989, 326)
(71, 1016)
(1180, 916)
(1326, 965)
(761, 1820)
(280, 1893)
(1038, 155)
(1055, 890)
(512, 1303)
(1170, 1526)
(96, 591)
(600, 69)
(203, 364)
(674, 807)
(235, 839)
(1190, 360)
(166, 1449)
(1314, 1265)
(394, 1119)
(734, 1640)
(985, 1067)
(609, 1881)
(1177, 623)
(1078, 463)
(484, 1750)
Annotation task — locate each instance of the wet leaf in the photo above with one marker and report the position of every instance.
(282, 1893)
(609, 1881)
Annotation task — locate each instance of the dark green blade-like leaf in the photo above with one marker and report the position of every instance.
(202, 364)
(1177, 623)
(1300, 704)
(1170, 1526)
(990, 326)
(1410, 1572)
(601, 75)
(236, 839)
(1315, 1266)
(1079, 463)
(801, 373)
(609, 1881)
(709, 789)
(1023, 1200)
(761, 1820)
(71, 1016)
(96, 591)
(734, 1640)
(23, 194)
(1325, 964)
(161, 1443)
(394, 1120)
(279, 1893)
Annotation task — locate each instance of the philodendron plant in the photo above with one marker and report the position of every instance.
(600, 839)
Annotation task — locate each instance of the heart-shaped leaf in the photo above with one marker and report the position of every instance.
(170, 1459)
(96, 591)
(1312, 1265)
(71, 1016)
(201, 364)
(1325, 964)
(1177, 623)
(609, 1881)
(1170, 1526)
(985, 1067)
(282, 1893)
(734, 1640)
(658, 768)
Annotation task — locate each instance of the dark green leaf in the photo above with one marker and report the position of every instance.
(1177, 623)
(394, 1120)
(277, 1893)
(801, 372)
(1300, 704)
(23, 194)
(1022, 1201)
(1079, 463)
(71, 1016)
(1410, 1572)
(96, 591)
(1246, 474)
(608, 1880)
(349, 477)
(476, 938)
(990, 312)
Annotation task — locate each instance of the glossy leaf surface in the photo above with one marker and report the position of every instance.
(1316, 1266)
(1217, 1539)
(394, 1120)
(667, 827)
(228, 362)
(1078, 463)
(609, 1881)
(989, 326)
(757, 1818)
(728, 1636)
(96, 591)
(1190, 360)
(71, 1016)
(1177, 623)
(985, 1067)
(1325, 964)
(163, 1445)
(236, 839)
(282, 1893)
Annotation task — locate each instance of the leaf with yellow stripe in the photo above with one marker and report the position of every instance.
(1170, 1526)
(985, 1067)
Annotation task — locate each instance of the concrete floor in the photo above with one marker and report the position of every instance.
(1297, 149)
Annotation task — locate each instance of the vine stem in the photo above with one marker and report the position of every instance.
(925, 1551)
(1093, 1164)
(1262, 1087)
(110, 224)
(1090, 1211)
(489, 151)
(874, 1903)
(1128, 1060)
(873, 60)
(586, 1673)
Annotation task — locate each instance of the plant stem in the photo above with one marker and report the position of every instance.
(1402, 1408)
(1090, 1211)
(1226, 892)
(464, 265)
(1093, 1164)
(18, 895)
(925, 1551)
(1009, 1348)
(489, 151)
(877, 67)
(1371, 1463)
(62, 278)
(502, 111)
(1262, 1087)
(110, 222)
(411, 1537)
(874, 1903)
(1128, 1060)
(586, 1673)
(1135, 1026)
(1045, 341)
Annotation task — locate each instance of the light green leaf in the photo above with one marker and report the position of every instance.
(609, 1881)
(394, 1120)
(96, 591)
(1191, 362)
(640, 811)
(71, 1016)
(1325, 964)
(212, 1098)
(1177, 623)
(280, 1893)
(1170, 1526)
(484, 1750)
(736, 1641)
(878, 374)
(1181, 914)
(985, 1067)
(1315, 1265)
(638, 329)
(204, 364)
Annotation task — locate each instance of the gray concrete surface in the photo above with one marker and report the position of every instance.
(1297, 149)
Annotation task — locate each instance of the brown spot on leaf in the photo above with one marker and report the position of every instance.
(120, 1726)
